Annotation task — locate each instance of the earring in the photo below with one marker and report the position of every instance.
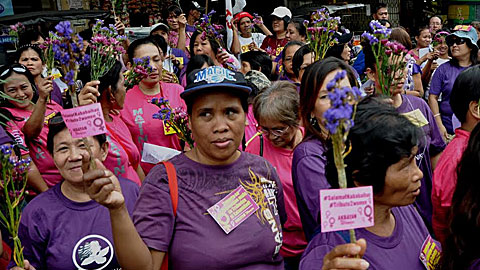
(313, 121)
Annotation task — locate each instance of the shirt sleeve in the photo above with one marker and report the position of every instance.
(314, 258)
(265, 43)
(280, 197)
(18, 136)
(437, 144)
(436, 83)
(153, 213)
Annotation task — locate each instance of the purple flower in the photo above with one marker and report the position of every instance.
(69, 77)
(86, 60)
(64, 28)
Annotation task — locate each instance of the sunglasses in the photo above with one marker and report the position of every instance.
(458, 41)
(18, 69)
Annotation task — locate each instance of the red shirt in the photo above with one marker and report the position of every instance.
(273, 46)
(445, 181)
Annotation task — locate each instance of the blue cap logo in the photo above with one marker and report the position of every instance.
(214, 74)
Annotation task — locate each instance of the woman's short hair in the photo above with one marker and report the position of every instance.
(27, 47)
(380, 138)
(139, 42)
(258, 61)
(298, 23)
(465, 90)
(401, 36)
(279, 102)
(197, 62)
(289, 44)
(297, 60)
(213, 43)
(312, 80)
(56, 125)
(109, 79)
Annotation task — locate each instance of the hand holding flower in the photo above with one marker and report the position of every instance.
(89, 93)
(45, 88)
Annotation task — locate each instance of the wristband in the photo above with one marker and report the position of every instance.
(435, 115)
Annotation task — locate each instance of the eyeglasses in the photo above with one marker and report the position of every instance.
(458, 41)
(18, 69)
(278, 132)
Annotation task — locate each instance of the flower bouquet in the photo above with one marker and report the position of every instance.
(12, 190)
(106, 45)
(15, 31)
(320, 32)
(339, 119)
(140, 69)
(389, 56)
(175, 118)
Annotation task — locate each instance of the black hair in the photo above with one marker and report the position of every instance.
(197, 62)
(26, 47)
(258, 60)
(29, 36)
(191, 98)
(161, 43)
(109, 79)
(286, 20)
(380, 138)
(290, 43)
(297, 60)
(54, 129)
(213, 43)
(31, 80)
(465, 90)
(461, 245)
(175, 9)
(378, 6)
(139, 42)
(86, 34)
(420, 29)
(370, 59)
(298, 23)
(473, 53)
(384, 22)
(335, 51)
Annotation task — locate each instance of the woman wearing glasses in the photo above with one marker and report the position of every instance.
(462, 47)
(64, 228)
(279, 122)
(30, 111)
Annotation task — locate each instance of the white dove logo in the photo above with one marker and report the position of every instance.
(92, 252)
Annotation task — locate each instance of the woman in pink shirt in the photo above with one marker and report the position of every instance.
(138, 110)
(123, 157)
(277, 111)
(30, 121)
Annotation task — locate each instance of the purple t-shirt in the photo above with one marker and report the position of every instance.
(58, 233)
(442, 83)
(193, 239)
(475, 265)
(399, 251)
(430, 144)
(308, 175)
(4, 138)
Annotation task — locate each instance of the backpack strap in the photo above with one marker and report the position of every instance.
(172, 184)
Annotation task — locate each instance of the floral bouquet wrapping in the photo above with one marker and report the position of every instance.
(175, 118)
(106, 46)
(339, 119)
(140, 69)
(12, 189)
(389, 56)
(320, 32)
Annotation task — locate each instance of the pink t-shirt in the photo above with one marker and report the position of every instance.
(251, 124)
(294, 242)
(117, 159)
(38, 148)
(137, 114)
(444, 183)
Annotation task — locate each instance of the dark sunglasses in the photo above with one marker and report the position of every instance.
(17, 68)
(458, 41)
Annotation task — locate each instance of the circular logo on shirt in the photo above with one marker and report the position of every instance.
(92, 252)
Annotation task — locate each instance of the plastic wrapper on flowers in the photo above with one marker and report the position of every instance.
(140, 70)
(106, 46)
(320, 32)
(339, 119)
(389, 56)
(175, 118)
(12, 189)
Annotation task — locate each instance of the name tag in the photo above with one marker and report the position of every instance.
(416, 117)
(430, 254)
(233, 210)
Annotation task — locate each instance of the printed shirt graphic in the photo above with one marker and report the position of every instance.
(137, 115)
(254, 244)
(60, 234)
(38, 148)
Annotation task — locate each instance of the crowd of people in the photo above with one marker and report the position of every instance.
(255, 108)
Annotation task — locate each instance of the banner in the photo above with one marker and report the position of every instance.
(6, 8)
(229, 18)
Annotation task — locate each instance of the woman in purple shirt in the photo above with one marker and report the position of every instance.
(308, 165)
(383, 148)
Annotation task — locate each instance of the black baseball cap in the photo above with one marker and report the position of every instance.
(215, 77)
(194, 5)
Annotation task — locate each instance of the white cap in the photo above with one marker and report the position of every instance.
(158, 26)
(281, 12)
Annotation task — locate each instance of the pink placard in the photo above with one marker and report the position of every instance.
(234, 209)
(84, 121)
(344, 209)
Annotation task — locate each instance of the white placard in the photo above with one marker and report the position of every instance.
(154, 154)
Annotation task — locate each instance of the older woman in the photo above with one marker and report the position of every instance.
(308, 164)
(217, 102)
(383, 149)
(123, 156)
(463, 49)
(210, 46)
(279, 122)
(30, 112)
(63, 228)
